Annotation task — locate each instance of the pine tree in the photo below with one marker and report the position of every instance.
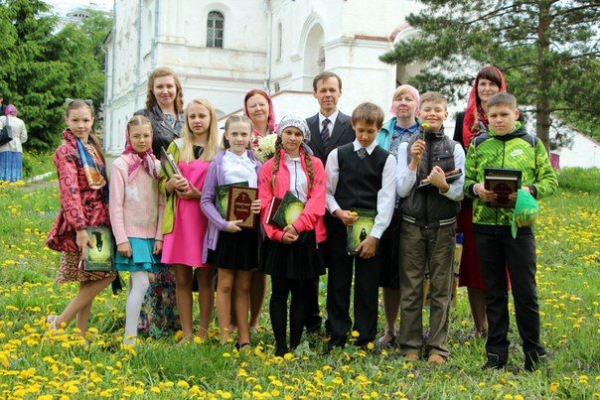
(548, 50)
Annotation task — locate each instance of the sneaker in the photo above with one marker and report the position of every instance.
(388, 340)
(493, 362)
(436, 359)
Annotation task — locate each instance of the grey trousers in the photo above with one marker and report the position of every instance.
(422, 249)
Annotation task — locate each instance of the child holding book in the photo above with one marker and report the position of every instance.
(228, 247)
(507, 145)
(360, 175)
(136, 210)
(290, 254)
(82, 183)
(184, 224)
(427, 230)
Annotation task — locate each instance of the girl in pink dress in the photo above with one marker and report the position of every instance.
(184, 224)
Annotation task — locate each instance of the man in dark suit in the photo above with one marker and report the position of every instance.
(329, 129)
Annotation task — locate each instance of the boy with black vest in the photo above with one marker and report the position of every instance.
(427, 231)
(508, 146)
(360, 175)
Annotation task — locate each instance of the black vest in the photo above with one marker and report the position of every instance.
(428, 208)
(359, 180)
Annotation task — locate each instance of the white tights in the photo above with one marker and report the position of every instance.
(133, 306)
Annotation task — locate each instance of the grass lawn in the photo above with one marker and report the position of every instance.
(35, 365)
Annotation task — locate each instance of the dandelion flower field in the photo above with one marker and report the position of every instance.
(36, 365)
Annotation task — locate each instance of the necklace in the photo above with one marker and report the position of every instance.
(170, 119)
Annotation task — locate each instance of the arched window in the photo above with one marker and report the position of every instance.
(279, 42)
(214, 29)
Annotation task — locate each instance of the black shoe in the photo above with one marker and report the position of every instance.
(493, 362)
(280, 352)
(534, 360)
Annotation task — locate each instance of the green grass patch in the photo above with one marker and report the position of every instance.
(32, 363)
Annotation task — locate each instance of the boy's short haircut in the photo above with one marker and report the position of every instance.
(326, 75)
(504, 99)
(434, 97)
(368, 113)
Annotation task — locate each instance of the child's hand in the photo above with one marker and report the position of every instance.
(151, 277)
(233, 226)
(255, 206)
(291, 228)
(513, 196)
(346, 216)
(483, 194)
(83, 242)
(158, 245)
(416, 152)
(289, 237)
(366, 248)
(176, 183)
(438, 179)
(190, 194)
(124, 249)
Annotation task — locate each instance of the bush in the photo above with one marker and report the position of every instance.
(35, 163)
(583, 179)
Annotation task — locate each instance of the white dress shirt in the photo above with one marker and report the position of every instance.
(386, 196)
(298, 180)
(239, 169)
(332, 118)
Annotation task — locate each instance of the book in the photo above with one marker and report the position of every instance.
(360, 230)
(272, 209)
(101, 256)
(288, 211)
(222, 197)
(168, 164)
(503, 182)
(451, 176)
(240, 206)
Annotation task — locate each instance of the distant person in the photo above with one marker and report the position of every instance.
(507, 145)
(329, 129)
(11, 154)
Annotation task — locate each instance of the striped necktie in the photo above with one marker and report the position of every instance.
(325, 137)
(362, 153)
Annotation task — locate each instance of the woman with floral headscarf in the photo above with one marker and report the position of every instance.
(11, 153)
(469, 124)
(290, 254)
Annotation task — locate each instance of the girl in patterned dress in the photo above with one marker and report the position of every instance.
(83, 203)
(136, 209)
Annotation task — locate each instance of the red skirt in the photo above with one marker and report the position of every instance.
(470, 274)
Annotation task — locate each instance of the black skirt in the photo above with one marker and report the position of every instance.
(237, 251)
(299, 260)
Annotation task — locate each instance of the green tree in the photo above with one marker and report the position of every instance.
(41, 67)
(545, 48)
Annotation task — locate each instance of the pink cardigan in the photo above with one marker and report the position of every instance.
(135, 204)
(314, 209)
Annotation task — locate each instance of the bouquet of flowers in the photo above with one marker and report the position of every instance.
(264, 147)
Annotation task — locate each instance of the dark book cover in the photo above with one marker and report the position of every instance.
(168, 164)
(451, 176)
(361, 229)
(240, 206)
(222, 197)
(289, 210)
(272, 209)
(503, 182)
(101, 256)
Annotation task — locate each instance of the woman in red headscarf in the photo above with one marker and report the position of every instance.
(469, 124)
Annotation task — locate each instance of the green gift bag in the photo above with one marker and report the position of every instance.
(526, 211)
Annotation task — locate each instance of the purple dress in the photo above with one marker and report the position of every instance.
(185, 243)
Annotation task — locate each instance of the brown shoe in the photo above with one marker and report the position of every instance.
(412, 356)
(436, 359)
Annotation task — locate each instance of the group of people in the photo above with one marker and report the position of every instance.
(171, 237)
(11, 153)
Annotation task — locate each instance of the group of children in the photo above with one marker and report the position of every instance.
(176, 222)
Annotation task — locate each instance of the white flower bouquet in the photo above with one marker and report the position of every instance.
(264, 147)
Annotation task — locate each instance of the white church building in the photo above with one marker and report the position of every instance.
(221, 49)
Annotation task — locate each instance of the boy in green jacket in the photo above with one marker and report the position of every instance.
(507, 146)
